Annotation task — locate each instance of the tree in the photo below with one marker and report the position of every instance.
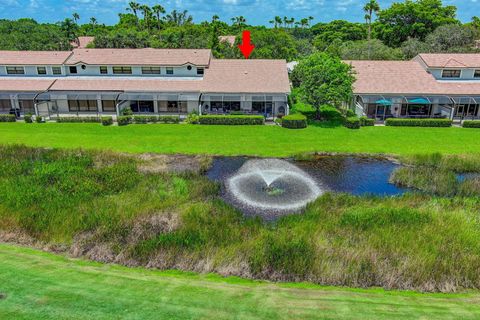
(215, 18)
(134, 7)
(179, 18)
(326, 33)
(93, 21)
(76, 17)
(70, 29)
(451, 38)
(369, 50)
(413, 47)
(158, 10)
(370, 8)
(147, 13)
(412, 19)
(322, 79)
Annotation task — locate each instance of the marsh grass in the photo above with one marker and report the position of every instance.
(114, 213)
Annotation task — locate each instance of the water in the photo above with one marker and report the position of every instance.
(274, 187)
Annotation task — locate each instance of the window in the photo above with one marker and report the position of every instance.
(108, 106)
(56, 70)
(200, 71)
(122, 70)
(451, 73)
(169, 70)
(15, 70)
(142, 106)
(82, 105)
(5, 105)
(151, 70)
(476, 74)
(103, 70)
(26, 106)
(41, 70)
(73, 69)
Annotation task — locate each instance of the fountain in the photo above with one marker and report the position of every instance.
(271, 187)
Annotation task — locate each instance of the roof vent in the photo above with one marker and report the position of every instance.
(245, 72)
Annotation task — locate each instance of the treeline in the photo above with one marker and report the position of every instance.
(398, 32)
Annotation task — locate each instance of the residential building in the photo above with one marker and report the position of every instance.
(149, 81)
(428, 86)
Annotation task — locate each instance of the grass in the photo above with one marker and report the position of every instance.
(38, 285)
(271, 141)
(114, 213)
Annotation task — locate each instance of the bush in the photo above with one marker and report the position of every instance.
(330, 113)
(352, 123)
(471, 124)
(169, 119)
(39, 119)
(141, 119)
(305, 109)
(28, 118)
(350, 113)
(126, 112)
(77, 119)
(124, 120)
(107, 121)
(7, 118)
(394, 122)
(366, 122)
(231, 120)
(192, 118)
(294, 121)
(237, 113)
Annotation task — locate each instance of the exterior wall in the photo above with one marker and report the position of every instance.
(31, 71)
(466, 74)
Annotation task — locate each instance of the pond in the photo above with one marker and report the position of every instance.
(275, 187)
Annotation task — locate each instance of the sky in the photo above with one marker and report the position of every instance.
(257, 12)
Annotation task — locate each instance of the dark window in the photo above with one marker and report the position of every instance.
(477, 74)
(15, 70)
(122, 70)
(82, 105)
(200, 71)
(103, 70)
(41, 70)
(56, 70)
(108, 106)
(169, 70)
(26, 106)
(73, 69)
(151, 70)
(5, 105)
(142, 106)
(451, 73)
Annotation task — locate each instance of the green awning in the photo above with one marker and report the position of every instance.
(384, 102)
(418, 101)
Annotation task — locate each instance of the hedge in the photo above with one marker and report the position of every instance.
(7, 118)
(352, 123)
(366, 122)
(395, 122)
(28, 118)
(107, 121)
(124, 120)
(232, 120)
(294, 121)
(155, 119)
(471, 124)
(77, 119)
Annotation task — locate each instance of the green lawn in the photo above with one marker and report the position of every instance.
(243, 140)
(40, 285)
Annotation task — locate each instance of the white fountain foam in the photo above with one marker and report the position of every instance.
(271, 170)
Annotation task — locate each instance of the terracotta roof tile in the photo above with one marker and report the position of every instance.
(33, 57)
(442, 60)
(147, 56)
(29, 84)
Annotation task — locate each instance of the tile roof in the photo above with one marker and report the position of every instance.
(451, 60)
(405, 77)
(33, 57)
(247, 76)
(82, 42)
(228, 39)
(147, 56)
(29, 84)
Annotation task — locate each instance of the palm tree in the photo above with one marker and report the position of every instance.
(285, 20)
(215, 18)
(93, 21)
(239, 21)
(70, 29)
(76, 17)
(304, 22)
(291, 22)
(179, 18)
(310, 19)
(370, 8)
(147, 12)
(157, 10)
(278, 21)
(134, 7)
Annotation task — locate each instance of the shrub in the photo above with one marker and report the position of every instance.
(294, 121)
(366, 122)
(126, 112)
(39, 119)
(77, 119)
(107, 121)
(192, 118)
(237, 113)
(28, 118)
(7, 118)
(169, 119)
(471, 124)
(305, 109)
(394, 122)
(350, 113)
(124, 120)
(232, 120)
(141, 119)
(352, 123)
(330, 113)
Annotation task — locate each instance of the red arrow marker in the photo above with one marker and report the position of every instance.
(246, 47)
